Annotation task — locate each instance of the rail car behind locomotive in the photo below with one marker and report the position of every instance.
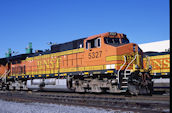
(106, 62)
(160, 62)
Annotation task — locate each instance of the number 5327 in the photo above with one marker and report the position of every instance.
(93, 55)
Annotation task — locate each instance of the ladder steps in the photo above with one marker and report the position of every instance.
(124, 82)
(124, 86)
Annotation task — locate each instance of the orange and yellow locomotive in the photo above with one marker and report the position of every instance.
(106, 62)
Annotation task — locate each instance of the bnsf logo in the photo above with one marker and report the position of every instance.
(160, 63)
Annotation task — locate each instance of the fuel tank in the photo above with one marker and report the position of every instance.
(49, 84)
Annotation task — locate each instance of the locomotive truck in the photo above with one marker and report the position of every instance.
(106, 62)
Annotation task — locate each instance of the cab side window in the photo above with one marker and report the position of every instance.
(94, 43)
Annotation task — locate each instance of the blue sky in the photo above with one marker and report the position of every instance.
(58, 21)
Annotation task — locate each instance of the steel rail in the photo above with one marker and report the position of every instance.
(140, 103)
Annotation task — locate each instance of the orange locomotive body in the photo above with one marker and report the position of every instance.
(101, 63)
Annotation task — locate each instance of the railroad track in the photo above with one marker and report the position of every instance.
(151, 104)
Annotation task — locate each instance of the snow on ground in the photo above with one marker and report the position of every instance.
(13, 107)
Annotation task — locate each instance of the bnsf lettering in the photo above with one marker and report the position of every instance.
(167, 62)
(160, 63)
(50, 63)
(93, 55)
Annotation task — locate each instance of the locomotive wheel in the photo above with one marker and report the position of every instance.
(140, 84)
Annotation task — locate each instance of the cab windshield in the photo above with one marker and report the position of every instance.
(124, 40)
(116, 41)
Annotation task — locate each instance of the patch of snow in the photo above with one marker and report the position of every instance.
(14, 107)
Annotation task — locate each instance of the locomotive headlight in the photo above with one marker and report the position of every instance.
(110, 66)
(113, 33)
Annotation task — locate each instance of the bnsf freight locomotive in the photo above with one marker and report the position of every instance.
(106, 62)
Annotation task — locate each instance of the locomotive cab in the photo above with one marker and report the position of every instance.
(130, 74)
(120, 62)
(115, 41)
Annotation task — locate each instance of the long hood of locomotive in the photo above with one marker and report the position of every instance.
(106, 59)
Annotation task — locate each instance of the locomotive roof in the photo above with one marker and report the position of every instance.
(3, 61)
(75, 44)
(13, 58)
(54, 48)
(152, 53)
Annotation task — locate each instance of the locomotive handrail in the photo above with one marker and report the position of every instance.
(148, 61)
(129, 65)
(4, 75)
(121, 68)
